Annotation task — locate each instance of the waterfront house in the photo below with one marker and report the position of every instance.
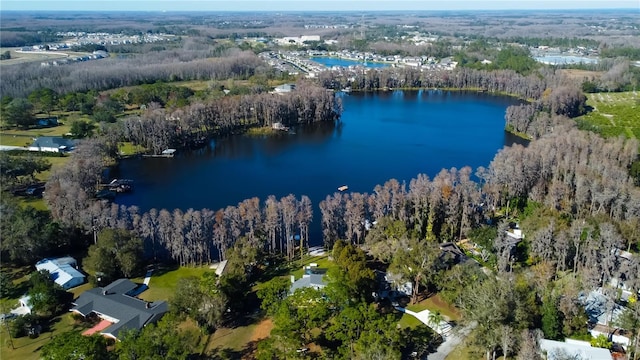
(313, 277)
(118, 308)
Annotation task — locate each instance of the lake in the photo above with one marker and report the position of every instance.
(331, 62)
(384, 135)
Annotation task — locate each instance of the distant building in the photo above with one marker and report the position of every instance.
(63, 271)
(52, 144)
(101, 54)
(48, 122)
(284, 88)
(119, 310)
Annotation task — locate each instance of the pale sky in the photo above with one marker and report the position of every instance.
(311, 5)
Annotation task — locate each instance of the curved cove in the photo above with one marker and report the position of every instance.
(383, 135)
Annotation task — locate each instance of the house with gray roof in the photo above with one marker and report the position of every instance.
(52, 144)
(313, 278)
(116, 304)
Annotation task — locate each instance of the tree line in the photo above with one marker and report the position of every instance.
(158, 128)
(443, 208)
(189, 63)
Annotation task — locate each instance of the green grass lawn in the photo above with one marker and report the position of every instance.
(29, 349)
(462, 351)
(322, 261)
(127, 148)
(18, 137)
(163, 282)
(468, 351)
(234, 339)
(25, 347)
(613, 114)
(433, 303)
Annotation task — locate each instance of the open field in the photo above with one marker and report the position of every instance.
(613, 114)
(19, 57)
(18, 137)
(235, 339)
(581, 74)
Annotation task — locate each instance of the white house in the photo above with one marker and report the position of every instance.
(284, 88)
(63, 271)
(573, 350)
(24, 306)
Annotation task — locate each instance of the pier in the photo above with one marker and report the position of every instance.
(168, 153)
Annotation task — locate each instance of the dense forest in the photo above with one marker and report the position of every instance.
(192, 62)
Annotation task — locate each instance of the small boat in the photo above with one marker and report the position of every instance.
(343, 188)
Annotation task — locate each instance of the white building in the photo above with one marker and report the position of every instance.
(573, 350)
(63, 271)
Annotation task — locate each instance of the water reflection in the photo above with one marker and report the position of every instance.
(384, 135)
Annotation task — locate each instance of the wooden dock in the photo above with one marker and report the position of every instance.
(168, 153)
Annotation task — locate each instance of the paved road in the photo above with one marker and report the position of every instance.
(451, 342)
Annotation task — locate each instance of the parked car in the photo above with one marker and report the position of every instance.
(7, 316)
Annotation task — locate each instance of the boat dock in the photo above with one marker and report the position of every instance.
(168, 153)
(118, 185)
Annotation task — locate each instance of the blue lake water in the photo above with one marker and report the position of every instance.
(331, 62)
(384, 135)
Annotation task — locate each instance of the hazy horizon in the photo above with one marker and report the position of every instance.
(311, 5)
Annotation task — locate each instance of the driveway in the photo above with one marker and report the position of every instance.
(451, 341)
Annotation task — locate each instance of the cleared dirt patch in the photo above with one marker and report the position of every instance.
(262, 330)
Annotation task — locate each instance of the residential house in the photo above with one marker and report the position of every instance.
(284, 88)
(451, 253)
(572, 349)
(313, 277)
(52, 144)
(48, 122)
(392, 286)
(24, 306)
(63, 271)
(118, 308)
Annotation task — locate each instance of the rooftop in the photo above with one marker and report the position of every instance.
(114, 303)
(560, 350)
(53, 142)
